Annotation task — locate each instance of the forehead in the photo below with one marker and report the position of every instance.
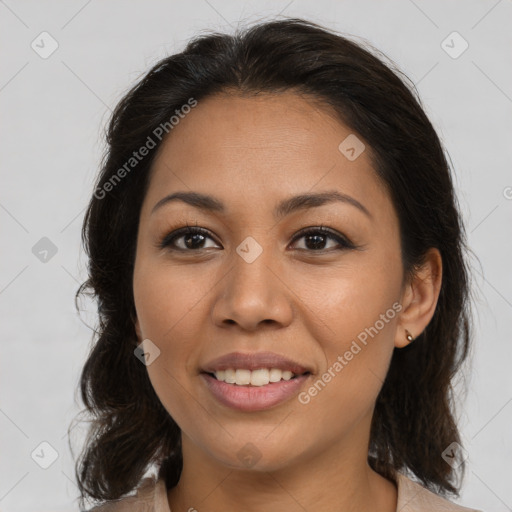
(264, 147)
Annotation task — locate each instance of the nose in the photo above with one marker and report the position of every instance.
(253, 292)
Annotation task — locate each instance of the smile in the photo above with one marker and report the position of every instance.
(243, 395)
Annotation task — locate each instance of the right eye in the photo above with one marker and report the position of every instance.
(192, 239)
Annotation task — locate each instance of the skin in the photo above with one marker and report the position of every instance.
(294, 299)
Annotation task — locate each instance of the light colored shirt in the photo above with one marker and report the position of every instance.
(151, 496)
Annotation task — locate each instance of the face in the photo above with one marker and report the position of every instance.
(262, 287)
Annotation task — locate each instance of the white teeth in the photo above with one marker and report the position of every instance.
(242, 377)
(229, 376)
(275, 375)
(287, 375)
(260, 377)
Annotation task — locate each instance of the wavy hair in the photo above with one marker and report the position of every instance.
(414, 421)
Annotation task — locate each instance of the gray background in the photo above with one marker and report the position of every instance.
(53, 110)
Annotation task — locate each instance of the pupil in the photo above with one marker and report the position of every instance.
(320, 240)
(191, 245)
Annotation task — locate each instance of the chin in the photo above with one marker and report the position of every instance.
(253, 454)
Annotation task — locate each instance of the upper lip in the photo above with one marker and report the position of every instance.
(254, 361)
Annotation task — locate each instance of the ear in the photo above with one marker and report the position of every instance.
(419, 298)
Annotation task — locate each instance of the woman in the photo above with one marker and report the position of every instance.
(278, 258)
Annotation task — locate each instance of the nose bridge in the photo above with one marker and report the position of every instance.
(253, 262)
(252, 292)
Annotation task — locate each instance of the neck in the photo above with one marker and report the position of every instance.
(337, 479)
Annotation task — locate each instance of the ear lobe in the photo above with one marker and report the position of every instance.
(420, 299)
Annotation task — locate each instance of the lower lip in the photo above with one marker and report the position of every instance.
(253, 398)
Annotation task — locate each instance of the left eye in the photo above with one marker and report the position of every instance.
(315, 239)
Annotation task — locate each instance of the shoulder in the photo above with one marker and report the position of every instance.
(413, 497)
(150, 495)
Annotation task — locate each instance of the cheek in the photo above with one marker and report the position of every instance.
(165, 297)
(170, 311)
(352, 315)
(343, 302)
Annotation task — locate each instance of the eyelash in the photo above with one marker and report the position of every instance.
(169, 239)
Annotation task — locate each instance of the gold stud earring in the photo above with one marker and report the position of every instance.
(409, 336)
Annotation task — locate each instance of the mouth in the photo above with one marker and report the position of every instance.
(255, 390)
(254, 381)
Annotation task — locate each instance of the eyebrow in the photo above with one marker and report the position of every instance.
(284, 208)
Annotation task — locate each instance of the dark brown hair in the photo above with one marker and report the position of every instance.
(414, 419)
